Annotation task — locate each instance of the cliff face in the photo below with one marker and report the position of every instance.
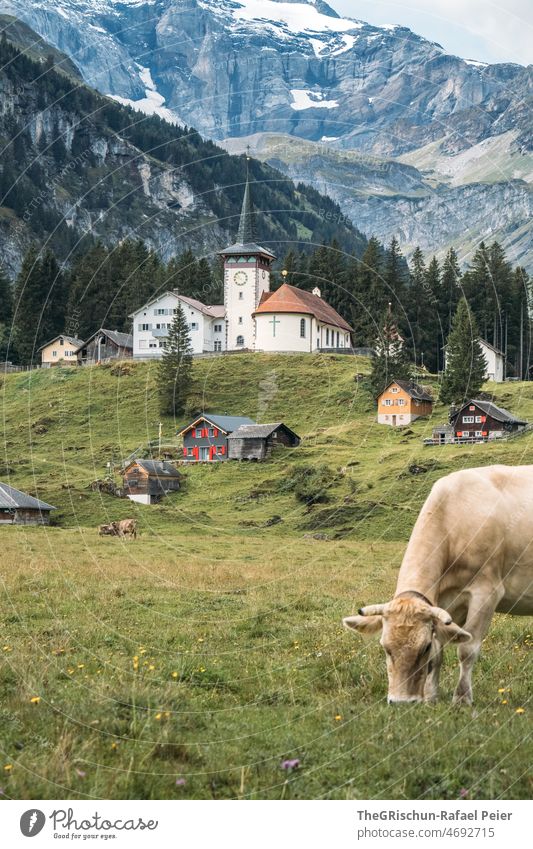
(235, 68)
(77, 164)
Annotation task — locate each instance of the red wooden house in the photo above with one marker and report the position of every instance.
(205, 439)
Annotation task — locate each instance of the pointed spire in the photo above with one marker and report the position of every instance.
(247, 231)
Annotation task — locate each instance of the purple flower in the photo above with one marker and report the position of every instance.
(180, 782)
(463, 792)
(292, 763)
(80, 773)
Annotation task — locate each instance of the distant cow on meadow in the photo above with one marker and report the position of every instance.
(122, 528)
(470, 555)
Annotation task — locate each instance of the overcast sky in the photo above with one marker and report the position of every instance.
(474, 29)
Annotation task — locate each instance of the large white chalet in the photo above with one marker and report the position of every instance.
(252, 317)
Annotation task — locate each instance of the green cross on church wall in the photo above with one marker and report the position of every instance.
(274, 321)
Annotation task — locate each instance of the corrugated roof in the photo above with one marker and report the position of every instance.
(123, 340)
(239, 249)
(414, 390)
(159, 468)
(71, 339)
(226, 423)
(12, 498)
(259, 431)
(498, 413)
(290, 299)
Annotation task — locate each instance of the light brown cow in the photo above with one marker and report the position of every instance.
(126, 527)
(470, 555)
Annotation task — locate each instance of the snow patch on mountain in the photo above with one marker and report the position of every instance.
(152, 102)
(303, 98)
(285, 18)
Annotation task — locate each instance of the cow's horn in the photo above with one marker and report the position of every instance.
(441, 614)
(371, 610)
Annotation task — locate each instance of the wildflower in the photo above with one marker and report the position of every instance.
(174, 674)
(200, 639)
(114, 745)
(70, 671)
(292, 763)
(35, 700)
(180, 782)
(81, 665)
(80, 773)
(463, 792)
(8, 767)
(158, 716)
(504, 701)
(519, 710)
(135, 663)
(338, 717)
(201, 669)
(501, 690)
(151, 667)
(7, 648)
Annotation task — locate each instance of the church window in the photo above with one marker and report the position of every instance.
(240, 319)
(218, 328)
(327, 335)
(241, 295)
(302, 328)
(240, 340)
(337, 338)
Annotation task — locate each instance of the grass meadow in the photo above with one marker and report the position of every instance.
(207, 659)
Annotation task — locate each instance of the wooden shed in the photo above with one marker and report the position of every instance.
(105, 345)
(255, 441)
(18, 508)
(147, 481)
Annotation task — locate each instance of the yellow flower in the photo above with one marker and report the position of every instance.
(70, 671)
(504, 701)
(174, 674)
(519, 710)
(81, 665)
(114, 745)
(200, 639)
(338, 717)
(201, 669)
(158, 716)
(151, 667)
(35, 700)
(8, 648)
(8, 767)
(501, 690)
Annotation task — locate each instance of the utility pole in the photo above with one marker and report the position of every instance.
(521, 340)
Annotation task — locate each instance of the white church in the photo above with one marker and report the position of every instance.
(252, 317)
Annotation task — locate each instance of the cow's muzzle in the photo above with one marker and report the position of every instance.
(404, 700)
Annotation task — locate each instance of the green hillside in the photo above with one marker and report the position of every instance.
(211, 649)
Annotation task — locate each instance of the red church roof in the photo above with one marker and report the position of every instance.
(289, 299)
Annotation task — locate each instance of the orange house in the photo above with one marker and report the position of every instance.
(402, 402)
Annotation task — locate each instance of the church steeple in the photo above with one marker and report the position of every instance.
(247, 231)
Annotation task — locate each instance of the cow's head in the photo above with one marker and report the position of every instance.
(410, 630)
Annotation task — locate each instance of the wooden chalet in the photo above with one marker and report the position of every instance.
(105, 345)
(403, 401)
(147, 481)
(18, 508)
(205, 439)
(479, 420)
(256, 441)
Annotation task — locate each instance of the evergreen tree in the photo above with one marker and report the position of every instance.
(465, 363)
(391, 361)
(369, 300)
(174, 371)
(6, 316)
(28, 303)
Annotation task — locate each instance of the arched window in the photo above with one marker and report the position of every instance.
(302, 328)
(240, 340)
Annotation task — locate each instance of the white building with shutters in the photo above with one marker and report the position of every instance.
(151, 322)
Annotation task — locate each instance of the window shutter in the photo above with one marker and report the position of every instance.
(184, 451)
(483, 419)
(459, 433)
(223, 449)
(195, 452)
(215, 431)
(485, 433)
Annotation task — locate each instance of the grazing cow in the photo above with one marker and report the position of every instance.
(126, 527)
(122, 528)
(470, 555)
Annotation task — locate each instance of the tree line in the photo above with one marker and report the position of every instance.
(104, 285)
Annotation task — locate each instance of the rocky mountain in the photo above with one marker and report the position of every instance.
(235, 68)
(78, 166)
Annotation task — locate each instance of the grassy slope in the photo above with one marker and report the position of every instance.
(236, 626)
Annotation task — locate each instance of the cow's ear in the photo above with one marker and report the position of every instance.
(366, 625)
(451, 633)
